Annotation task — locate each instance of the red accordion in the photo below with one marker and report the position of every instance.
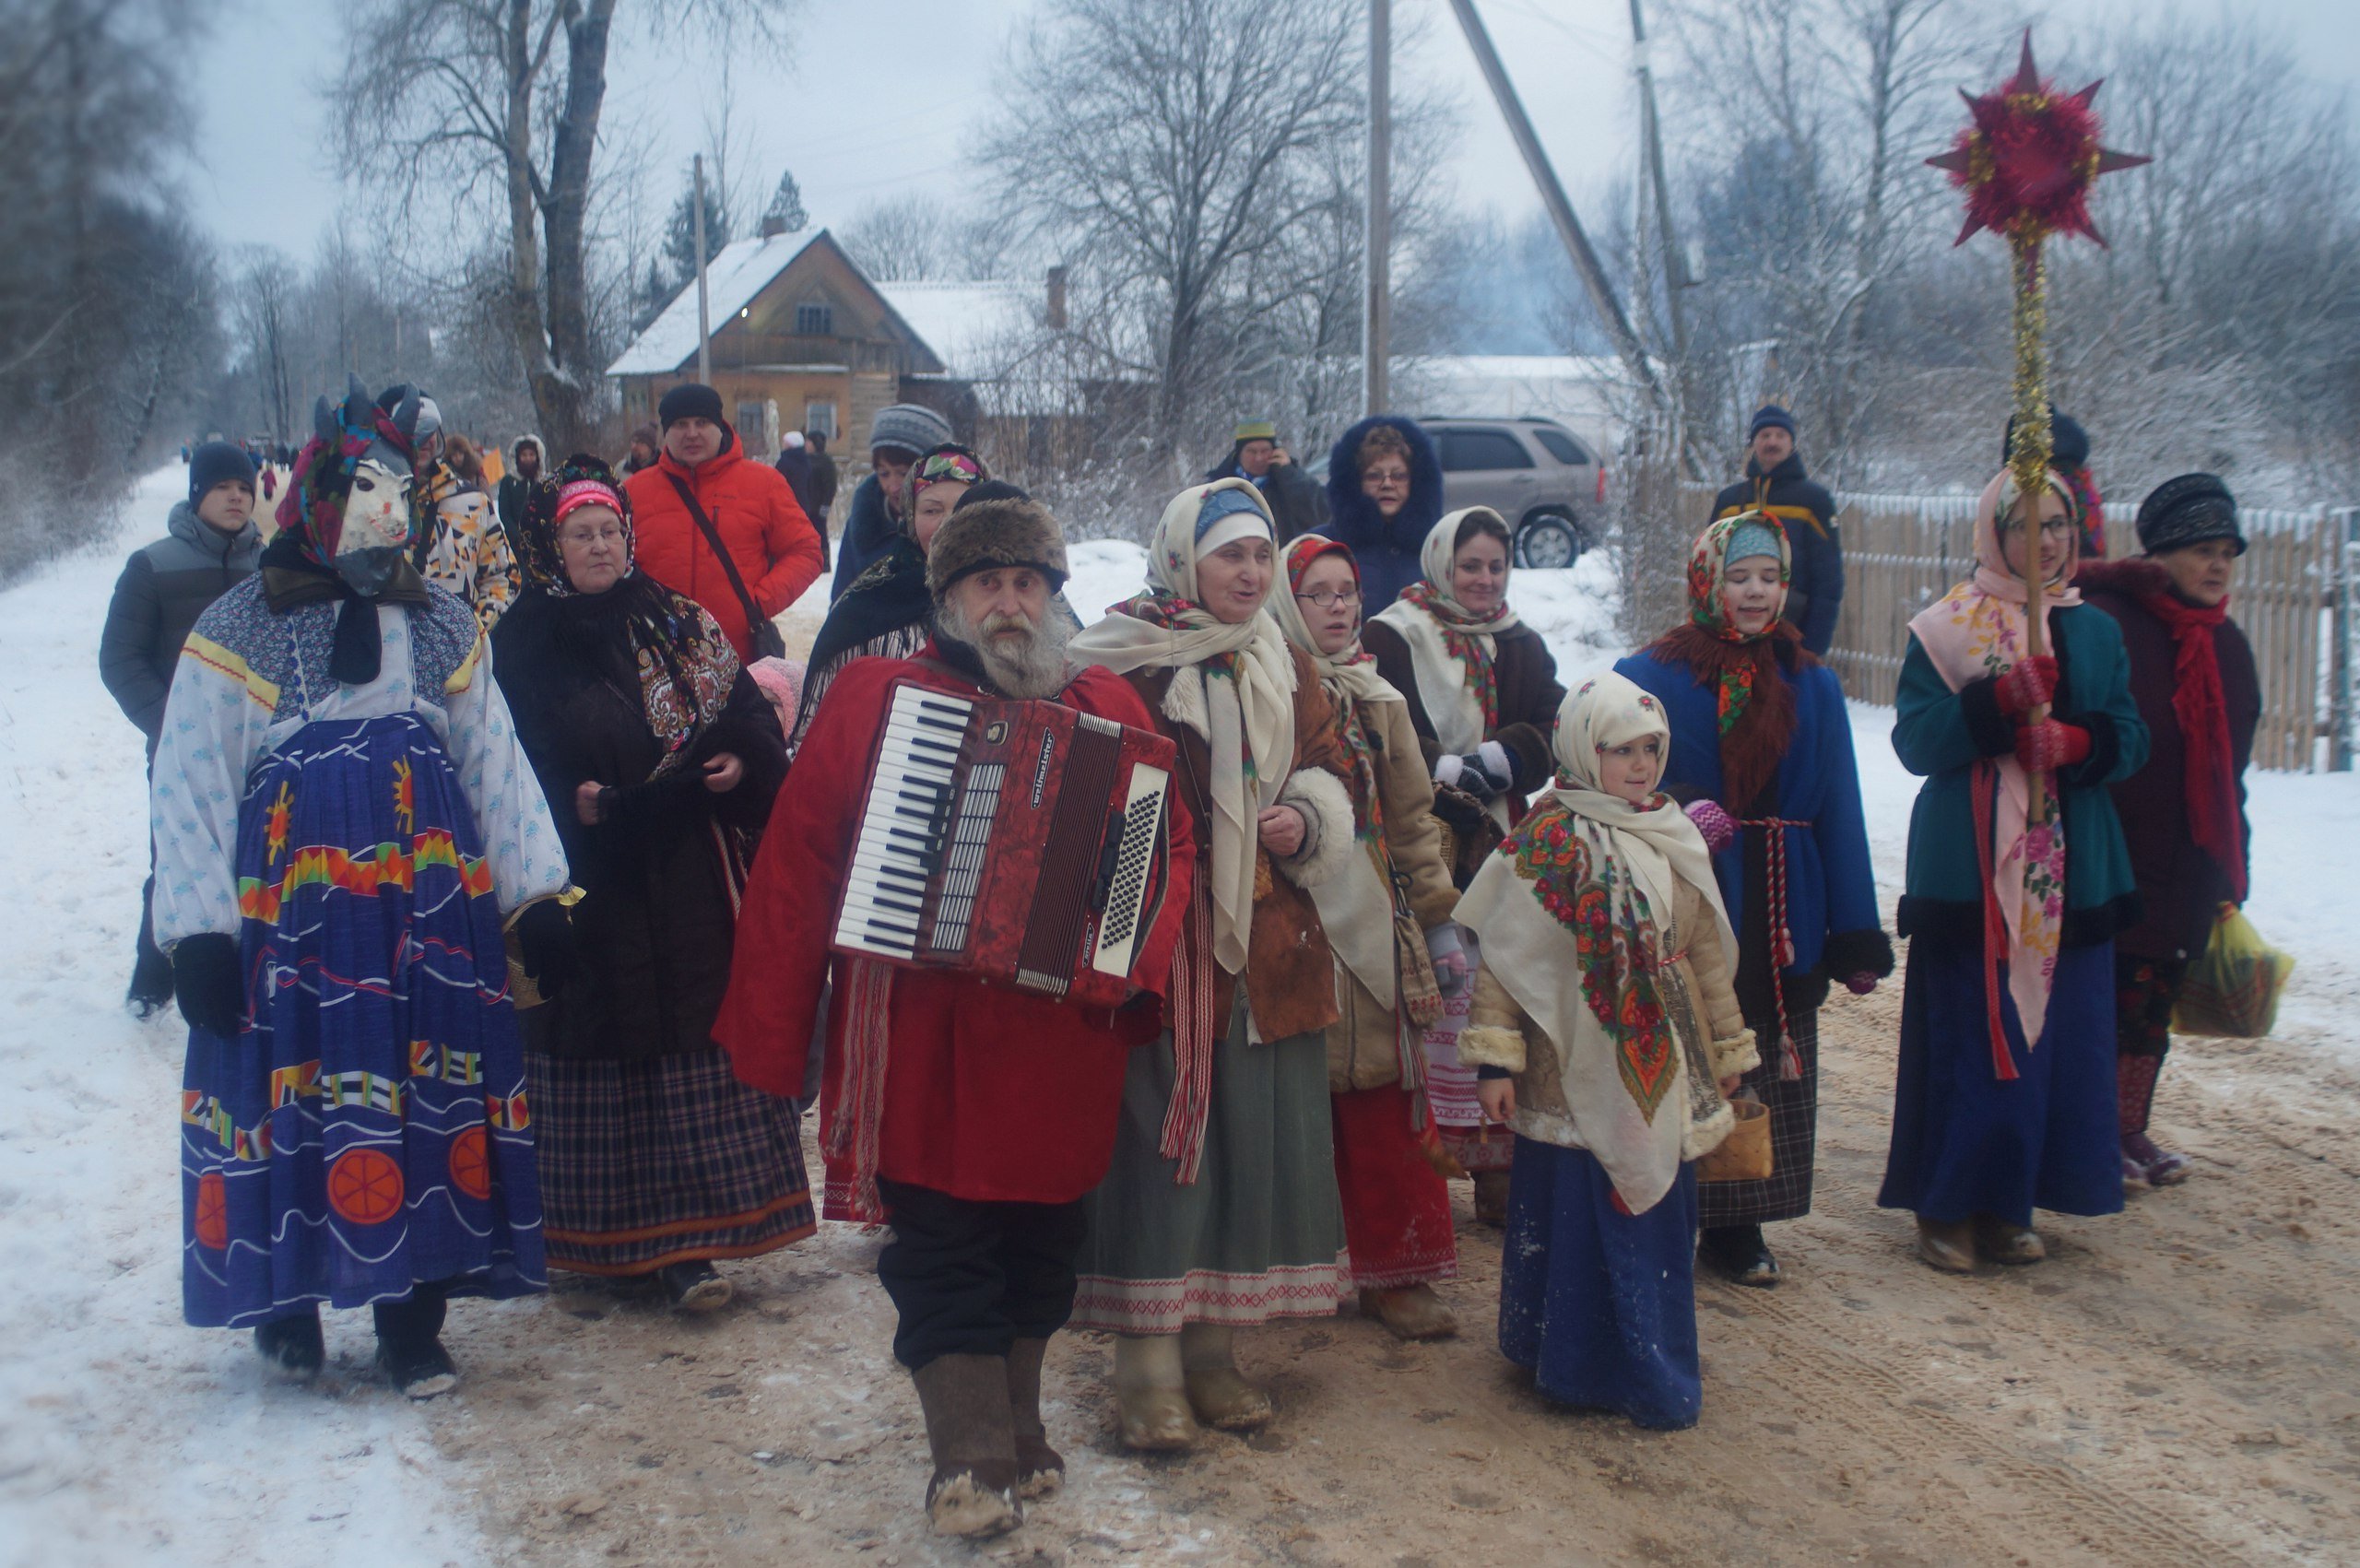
(1022, 841)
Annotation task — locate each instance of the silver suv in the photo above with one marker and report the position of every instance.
(1534, 472)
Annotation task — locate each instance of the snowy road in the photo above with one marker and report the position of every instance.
(127, 1437)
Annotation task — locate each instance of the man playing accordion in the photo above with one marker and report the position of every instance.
(997, 1110)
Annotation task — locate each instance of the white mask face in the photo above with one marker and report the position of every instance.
(376, 527)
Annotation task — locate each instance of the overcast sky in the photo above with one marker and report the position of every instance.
(882, 98)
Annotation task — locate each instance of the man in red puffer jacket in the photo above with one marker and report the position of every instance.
(770, 542)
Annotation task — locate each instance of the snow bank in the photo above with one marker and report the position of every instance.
(130, 1437)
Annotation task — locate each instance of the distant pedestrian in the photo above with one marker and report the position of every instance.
(527, 461)
(1775, 483)
(823, 481)
(646, 446)
(210, 545)
(880, 505)
(794, 465)
(1384, 498)
(1256, 457)
(459, 545)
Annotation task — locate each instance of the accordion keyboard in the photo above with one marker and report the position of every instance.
(906, 830)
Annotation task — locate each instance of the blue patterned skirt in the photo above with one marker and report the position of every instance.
(1600, 1305)
(366, 1130)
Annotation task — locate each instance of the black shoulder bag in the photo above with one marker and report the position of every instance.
(768, 643)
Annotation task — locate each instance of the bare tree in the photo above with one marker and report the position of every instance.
(443, 94)
(1177, 144)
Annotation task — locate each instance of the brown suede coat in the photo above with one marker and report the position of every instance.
(1290, 970)
(1363, 1051)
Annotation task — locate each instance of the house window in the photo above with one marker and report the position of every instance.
(750, 423)
(815, 321)
(820, 418)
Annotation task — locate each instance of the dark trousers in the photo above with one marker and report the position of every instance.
(971, 1279)
(151, 972)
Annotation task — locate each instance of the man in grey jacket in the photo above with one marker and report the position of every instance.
(210, 543)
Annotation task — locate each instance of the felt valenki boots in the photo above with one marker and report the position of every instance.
(971, 1430)
(1040, 1469)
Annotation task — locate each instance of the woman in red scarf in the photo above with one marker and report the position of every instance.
(2183, 816)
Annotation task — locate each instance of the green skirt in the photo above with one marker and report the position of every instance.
(1258, 1235)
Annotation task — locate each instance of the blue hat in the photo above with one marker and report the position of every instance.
(214, 461)
(1748, 540)
(1770, 416)
(1224, 504)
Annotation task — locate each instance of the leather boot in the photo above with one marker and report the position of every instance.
(1040, 1469)
(971, 1432)
(1151, 1395)
(1492, 1197)
(1415, 1313)
(410, 1343)
(2003, 1241)
(1947, 1246)
(292, 1345)
(1216, 1391)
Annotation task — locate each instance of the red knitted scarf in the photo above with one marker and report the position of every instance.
(1756, 709)
(2202, 709)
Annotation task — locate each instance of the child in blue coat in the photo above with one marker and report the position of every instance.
(1762, 751)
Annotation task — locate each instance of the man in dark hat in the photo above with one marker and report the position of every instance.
(1297, 505)
(1000, 1110)
(1775, 482)
(210, 543)
(897, 436)
(727, 533)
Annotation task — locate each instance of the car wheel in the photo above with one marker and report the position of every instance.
(1549, 539)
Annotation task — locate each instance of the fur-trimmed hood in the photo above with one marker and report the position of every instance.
(993, 533)
(1354, 518)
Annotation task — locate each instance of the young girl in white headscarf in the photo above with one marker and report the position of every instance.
(1220, 1209)
(1607, 1033)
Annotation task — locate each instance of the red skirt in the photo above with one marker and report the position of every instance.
(1397, 1207)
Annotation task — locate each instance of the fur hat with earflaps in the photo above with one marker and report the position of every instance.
(983, 535)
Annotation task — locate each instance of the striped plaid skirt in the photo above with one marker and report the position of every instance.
(664, 1159)
(1785, 1194)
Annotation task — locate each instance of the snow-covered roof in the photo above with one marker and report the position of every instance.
(742, 269)
(974, 328)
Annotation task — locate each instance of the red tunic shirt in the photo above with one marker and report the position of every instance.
(990, 1093)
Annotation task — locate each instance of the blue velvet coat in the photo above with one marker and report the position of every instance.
(1831, 884)
(1385, 551)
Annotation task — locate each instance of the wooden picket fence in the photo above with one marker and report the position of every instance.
(2293, 598)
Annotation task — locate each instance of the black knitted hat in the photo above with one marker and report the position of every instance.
(2188, 510)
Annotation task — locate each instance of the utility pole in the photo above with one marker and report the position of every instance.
(1569, 227)
(704, 317)
(1675, 269)
(1376, 317)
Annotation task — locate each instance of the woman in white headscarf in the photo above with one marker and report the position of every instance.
(1483, 693)
(1607, 1033)
(1220, 1209)
(1387, 916)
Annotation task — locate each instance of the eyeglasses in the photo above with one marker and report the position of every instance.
(2050, 528)
(1333, 598)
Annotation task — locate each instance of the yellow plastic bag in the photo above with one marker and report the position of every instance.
(2233, 989)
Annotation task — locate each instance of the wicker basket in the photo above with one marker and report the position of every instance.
(1744, 1155)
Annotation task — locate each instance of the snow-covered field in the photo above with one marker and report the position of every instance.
(129, 1438)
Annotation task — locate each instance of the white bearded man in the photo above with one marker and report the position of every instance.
(996, 1109)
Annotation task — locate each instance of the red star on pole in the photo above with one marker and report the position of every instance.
(2029, 160)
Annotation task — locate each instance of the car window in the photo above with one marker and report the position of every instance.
(1462, 450)
(1559, 446)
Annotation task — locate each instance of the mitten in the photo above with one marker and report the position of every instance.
(2026, 685)
(2048, 745)
(1493, 758)
(1464, 773)
(206, 980)
(1449, 955)
(546, 945)
(1718, 826)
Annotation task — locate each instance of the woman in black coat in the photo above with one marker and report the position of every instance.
(2183, 816)
(660, 758)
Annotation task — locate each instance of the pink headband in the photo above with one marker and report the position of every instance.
(586, 492)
